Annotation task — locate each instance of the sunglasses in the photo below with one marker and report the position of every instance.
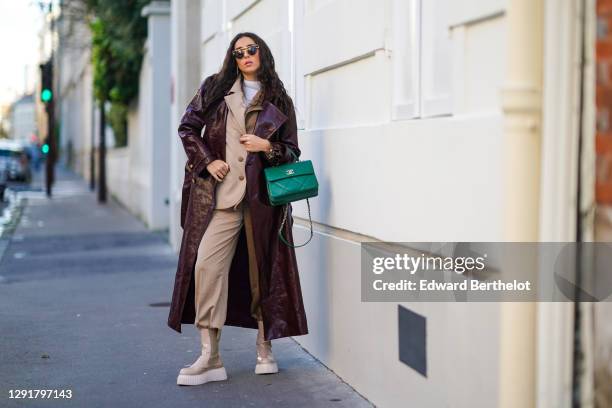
(239, 52)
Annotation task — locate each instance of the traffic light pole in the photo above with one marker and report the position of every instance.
(51, 156)
(47, 97)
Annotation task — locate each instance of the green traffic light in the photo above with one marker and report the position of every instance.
(45, 148)
(46, 95)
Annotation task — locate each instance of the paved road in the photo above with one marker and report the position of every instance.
(84, 290)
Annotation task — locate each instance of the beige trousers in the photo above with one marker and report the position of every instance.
(215, 254)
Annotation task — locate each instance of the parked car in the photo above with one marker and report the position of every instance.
(14, 162)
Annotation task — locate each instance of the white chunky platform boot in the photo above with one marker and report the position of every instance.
(208, 367)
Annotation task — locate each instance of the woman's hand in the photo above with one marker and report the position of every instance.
(218, 169)
(254, 143)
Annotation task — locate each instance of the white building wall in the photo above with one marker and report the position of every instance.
(401, 117)
(405, 192)
(77, 124)
(185, 60)
(158, 136)
(76, 102)
(143, 183)
(129, 167)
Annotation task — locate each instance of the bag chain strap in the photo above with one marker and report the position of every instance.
(280, 235)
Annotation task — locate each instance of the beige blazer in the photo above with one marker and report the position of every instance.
(240, 120)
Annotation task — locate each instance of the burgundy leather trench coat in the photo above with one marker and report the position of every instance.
(280, 292)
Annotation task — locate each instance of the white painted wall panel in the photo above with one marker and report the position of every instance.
(264, 17)
(118, 179)
(485, 65)
(351, 95)
(212, 17)
(470, 11)
(213, 52)
(422, 180)
(270, 20)
(237, 7)
(341, 30)
(313, 5)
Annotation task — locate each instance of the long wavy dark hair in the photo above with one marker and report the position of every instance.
(272, 87)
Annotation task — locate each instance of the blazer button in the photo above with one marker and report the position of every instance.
(241, 177)
(190, 166)
(240, 158)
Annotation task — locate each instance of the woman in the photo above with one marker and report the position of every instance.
(233, 269)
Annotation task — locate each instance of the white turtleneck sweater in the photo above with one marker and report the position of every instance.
(250, 89)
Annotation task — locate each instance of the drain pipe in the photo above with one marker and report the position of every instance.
(521, 104)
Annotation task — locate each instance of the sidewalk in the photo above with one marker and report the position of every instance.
(84, 293)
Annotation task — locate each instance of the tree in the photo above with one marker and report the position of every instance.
(118, 35)
(119, 32)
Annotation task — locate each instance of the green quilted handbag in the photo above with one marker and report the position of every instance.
(291, 182)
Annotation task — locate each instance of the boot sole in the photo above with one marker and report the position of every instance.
(216, 374)
(267, 368)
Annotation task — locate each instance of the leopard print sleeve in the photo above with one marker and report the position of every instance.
(275, 154)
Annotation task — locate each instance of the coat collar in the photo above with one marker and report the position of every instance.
(269, 119)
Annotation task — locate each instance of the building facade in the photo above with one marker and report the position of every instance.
(426, 121)
(23, 119)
